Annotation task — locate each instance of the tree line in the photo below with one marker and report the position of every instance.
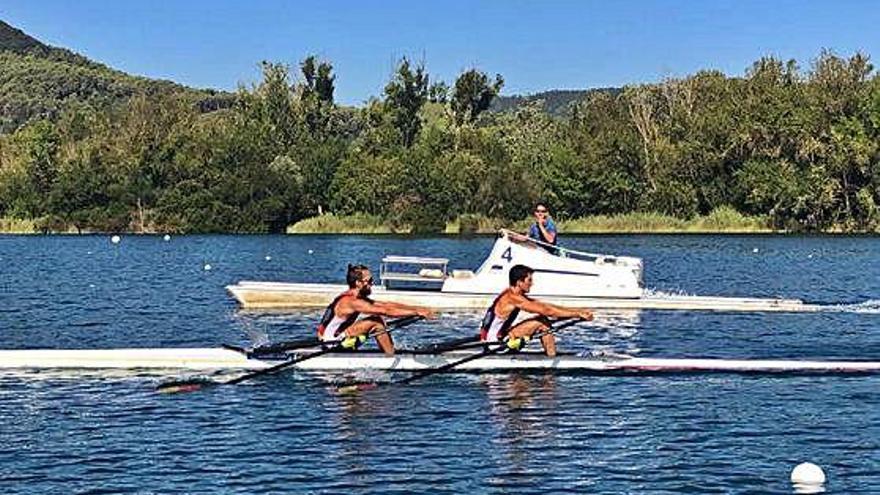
(797, 146)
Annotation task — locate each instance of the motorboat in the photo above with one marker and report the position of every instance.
(562, 276)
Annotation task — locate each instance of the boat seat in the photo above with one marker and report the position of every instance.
(462, 274)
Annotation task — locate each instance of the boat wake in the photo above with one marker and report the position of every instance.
(871, 306)
(661, 294)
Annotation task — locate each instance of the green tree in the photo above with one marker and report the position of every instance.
(34, 171)
(438, 92)
(405, 95)
(316, 94)
(472, 95)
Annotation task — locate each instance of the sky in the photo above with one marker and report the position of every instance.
(535, 45)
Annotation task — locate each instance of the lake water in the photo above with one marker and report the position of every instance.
(109, 433)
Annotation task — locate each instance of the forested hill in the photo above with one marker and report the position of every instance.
(557, 102)
(38, 80)
(16, 41)
(84, 147)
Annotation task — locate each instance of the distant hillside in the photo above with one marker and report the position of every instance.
(16, 41)
(557, 102)
(38, 80)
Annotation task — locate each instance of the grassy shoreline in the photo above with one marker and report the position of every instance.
(17, 226)
(720, 221)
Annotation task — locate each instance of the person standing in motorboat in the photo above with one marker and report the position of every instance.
(544, 229)
(504, 320)
(353, 316)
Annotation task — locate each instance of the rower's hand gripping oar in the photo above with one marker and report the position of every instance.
(502, 347)
(193, 385)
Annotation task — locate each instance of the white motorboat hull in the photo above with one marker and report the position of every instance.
(280, 295)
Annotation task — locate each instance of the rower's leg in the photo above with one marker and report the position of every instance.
(549, 343)
(384, 341)
(374, 325)
(532, 326)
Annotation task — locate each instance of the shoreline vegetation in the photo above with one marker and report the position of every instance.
(780, 148)
(720, 221)
(724, 220)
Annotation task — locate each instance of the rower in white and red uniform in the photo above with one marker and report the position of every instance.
(504, 319)
(353, 316)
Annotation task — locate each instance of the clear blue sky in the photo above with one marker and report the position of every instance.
(536, 45)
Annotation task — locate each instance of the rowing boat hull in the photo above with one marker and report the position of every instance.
(280, 295)
(204, 359)
(181, 358)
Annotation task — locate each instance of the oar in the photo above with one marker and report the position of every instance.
(449, 345)
(448, 366)
(197, 384)
(288, 345)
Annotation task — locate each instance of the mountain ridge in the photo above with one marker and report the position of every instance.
(39, 81)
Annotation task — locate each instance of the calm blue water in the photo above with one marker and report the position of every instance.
(109, 433)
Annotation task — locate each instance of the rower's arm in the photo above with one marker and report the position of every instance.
(388, 309)
(390, 304)
(546, 309)
(413, 310)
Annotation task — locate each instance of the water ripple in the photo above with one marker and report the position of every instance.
(108, 432)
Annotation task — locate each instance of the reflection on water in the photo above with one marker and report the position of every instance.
(513, 403)
(801, 488)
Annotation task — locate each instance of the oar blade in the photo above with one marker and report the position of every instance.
(355, 388)
(184, 386)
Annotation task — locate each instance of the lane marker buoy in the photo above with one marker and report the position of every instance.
(808, 478)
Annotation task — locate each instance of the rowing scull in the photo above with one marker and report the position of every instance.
(228, 359)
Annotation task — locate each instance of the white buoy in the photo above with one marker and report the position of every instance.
(755, 250)
(310, 251)
(268, 258)
(115, 239)
(207, 266)
(166, 238)
(807, 473)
